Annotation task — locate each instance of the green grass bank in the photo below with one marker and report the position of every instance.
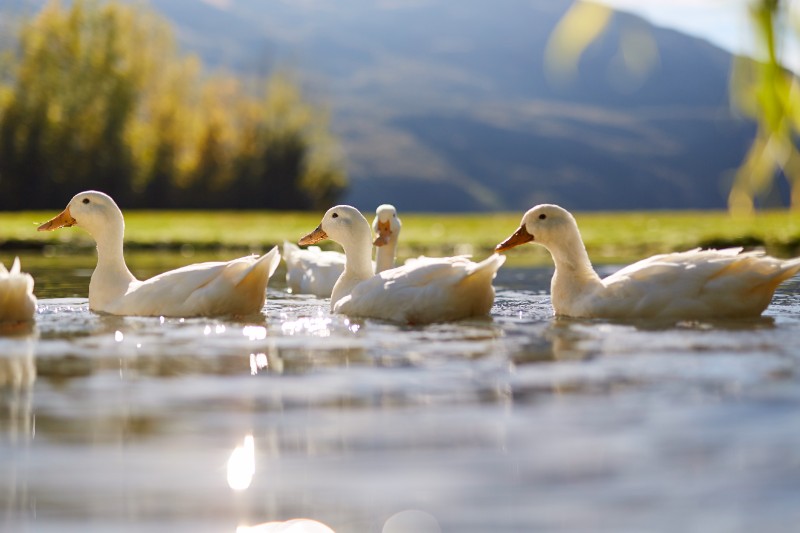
(609, 236)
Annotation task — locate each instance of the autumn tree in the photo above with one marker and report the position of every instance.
(98, 96)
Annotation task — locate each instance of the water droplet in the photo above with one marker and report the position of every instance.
(255, 333)
(257, 362)
(118, 336)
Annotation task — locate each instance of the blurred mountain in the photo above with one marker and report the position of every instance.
(446, 106)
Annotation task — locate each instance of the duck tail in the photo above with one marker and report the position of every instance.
(790, 268)
(262, 269)
(486, 268)
(785, 270)
(17, 302)
(16, 281)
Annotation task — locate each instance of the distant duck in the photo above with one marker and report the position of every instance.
(314, 271)
(311, 270)
(425, 291)
(697, 284)
(386, 226)
(17, 302)
(236, 287)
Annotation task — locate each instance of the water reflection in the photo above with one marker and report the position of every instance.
(17, 376)
(298, 525)
(17, 367)
(272, 362)
(411, 521)
(242, 465)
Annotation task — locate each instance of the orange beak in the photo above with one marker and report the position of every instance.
(62, 220)
(313, 237)
(384, 231)
(521, 236)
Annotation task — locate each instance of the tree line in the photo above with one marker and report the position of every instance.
(97, 96)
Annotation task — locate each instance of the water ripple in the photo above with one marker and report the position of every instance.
(516, 422)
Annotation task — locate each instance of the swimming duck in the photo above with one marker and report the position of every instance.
(425, 291)
(311, 270)
(17, 302)
(696, 284)
(386, 226)
(235, 287)
(314, 271)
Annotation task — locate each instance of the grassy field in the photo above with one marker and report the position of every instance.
(609, 236)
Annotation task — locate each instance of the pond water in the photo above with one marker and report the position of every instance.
(516, 423)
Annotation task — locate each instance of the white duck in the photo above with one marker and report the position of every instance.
(235, 287)
(427, 290)
(17, 302)
(311, 270)
(314, 271)
(386, 226)
(695, 284)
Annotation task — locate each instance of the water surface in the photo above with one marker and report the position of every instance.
(516, 423)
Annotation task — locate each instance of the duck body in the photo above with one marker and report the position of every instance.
(312, 270)
(695, 284)
(425, 291)
(17, 302)
(236, 287)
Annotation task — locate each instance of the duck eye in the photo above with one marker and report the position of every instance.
(542, 216)
(335, 215)
(86, 200)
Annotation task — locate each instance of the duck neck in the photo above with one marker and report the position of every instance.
(385, 256)
(358, 259)
(574, 272)
(357, 267)
(112, 274)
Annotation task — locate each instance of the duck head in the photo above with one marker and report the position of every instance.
(386, 225)
(343, 224)
(93, 211)
(544, 224)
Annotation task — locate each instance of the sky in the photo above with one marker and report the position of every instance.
(722, 22)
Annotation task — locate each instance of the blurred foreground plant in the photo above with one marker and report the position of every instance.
(765, 91)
